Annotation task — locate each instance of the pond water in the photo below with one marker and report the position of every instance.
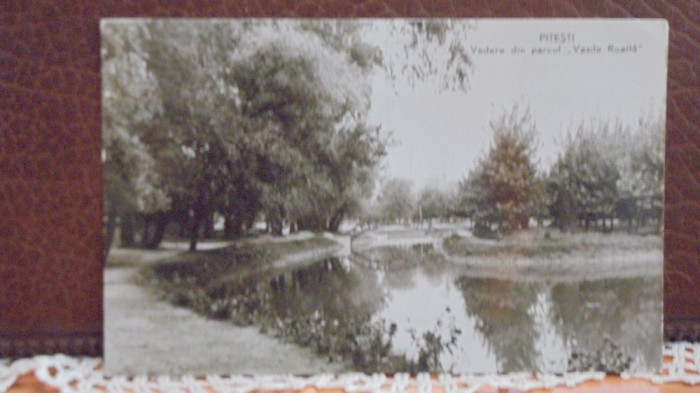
(412, 303)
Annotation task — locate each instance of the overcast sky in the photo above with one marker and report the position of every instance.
(440, 135)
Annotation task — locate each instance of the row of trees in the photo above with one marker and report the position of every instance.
(609, 171)
(249, 120)
(397, 202)
(268, 120)
(603, 172)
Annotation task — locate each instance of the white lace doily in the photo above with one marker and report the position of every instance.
(78, 375)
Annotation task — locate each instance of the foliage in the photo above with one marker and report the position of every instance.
(313, 306)
(250, 119)
(641, 167)
(476, 197)
(238, 127)
(608, 170)
(610, 359)
(435, 50)
(132, 182)
(502, 187)
(307, 102)
(432, 345)
(502, 313)
(396, 200)
(641, 162)
(587, 170)
(432, 203)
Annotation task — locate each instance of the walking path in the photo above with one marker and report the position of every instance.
(147, 336)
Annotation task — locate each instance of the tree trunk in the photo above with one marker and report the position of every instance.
(228, 227)
(160, 222)
(276, 227)
(208, 226)
(336, 219)
(233, 226)
(196, 216)
(126, 235)
(183, 228)
(194, 230)
(310, 223)
(146, 221)
(524, 221)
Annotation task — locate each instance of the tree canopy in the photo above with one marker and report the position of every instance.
(607, 170)
(396, 200)
(247, 120)
(604, 170)
(502, 186)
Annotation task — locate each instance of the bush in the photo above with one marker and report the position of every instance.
(483, 231)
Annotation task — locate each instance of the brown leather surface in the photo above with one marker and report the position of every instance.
(51, 176)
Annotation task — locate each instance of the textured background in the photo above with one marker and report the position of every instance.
(51, 175)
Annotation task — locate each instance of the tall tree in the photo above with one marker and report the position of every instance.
(476, 198)
(641, 166)
(511, 168)
(133, 184)
(583, 180)
(190, 141)
(432, 203)
(396, 200)
(250, 117)
(310, 101)
(503, 185)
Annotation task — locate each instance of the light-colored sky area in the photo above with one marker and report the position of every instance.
(440, 134)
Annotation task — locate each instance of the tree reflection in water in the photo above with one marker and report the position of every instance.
(501, 310)
(605, 325)
(326, 306)
(628, 311)
(400, 265)
(411, 309)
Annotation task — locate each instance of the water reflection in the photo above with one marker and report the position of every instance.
(410, 309)
(503, 316)
(589, 315)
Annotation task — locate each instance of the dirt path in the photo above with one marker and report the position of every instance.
(147, 336)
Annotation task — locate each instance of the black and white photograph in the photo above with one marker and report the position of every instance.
(307, 196)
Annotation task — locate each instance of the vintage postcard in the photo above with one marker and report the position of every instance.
(383, 195)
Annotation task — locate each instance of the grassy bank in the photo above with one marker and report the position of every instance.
(201, 268)
(216, 283)
(541, 243)
(236, 284)
(554, 255)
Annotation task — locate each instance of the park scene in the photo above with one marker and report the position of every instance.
(328, 196)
